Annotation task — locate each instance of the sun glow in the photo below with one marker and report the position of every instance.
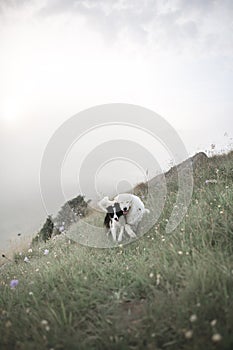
(11, 111)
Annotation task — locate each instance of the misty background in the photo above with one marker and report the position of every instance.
(60, 57)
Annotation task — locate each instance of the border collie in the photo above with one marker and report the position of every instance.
(114, 220)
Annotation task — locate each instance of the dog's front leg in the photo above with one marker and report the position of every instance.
(113, 231)
(130, 231)
(121, 234)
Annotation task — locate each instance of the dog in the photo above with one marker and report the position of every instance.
(115, 219)
(132, 207)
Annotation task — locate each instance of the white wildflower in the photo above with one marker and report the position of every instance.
(216, 337)
(211, 181)
(44, 322)
(213, 322)
(188, 334)
(193, 318)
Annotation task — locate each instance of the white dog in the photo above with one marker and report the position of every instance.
(132, 207)
(115, 219)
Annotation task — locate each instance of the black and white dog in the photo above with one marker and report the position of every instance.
(114, 220)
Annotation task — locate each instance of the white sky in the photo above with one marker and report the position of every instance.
(59, 57)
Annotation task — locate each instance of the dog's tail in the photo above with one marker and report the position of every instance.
(104, 203)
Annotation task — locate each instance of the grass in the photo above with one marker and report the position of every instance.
(160, 292)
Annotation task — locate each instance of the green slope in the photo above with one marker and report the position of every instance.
(159, 292)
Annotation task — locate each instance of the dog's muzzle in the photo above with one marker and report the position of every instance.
(125, 211)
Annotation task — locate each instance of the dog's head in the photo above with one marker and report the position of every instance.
(124, 201)
(113, 213)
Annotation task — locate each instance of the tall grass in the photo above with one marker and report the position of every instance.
(160, 292)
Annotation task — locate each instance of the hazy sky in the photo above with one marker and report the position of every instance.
(59, 57)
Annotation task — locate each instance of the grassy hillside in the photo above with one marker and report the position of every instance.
(160, 292)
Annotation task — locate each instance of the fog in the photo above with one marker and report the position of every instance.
(58, 58)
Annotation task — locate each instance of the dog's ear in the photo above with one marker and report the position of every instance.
(117, 206)
(109, 209)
